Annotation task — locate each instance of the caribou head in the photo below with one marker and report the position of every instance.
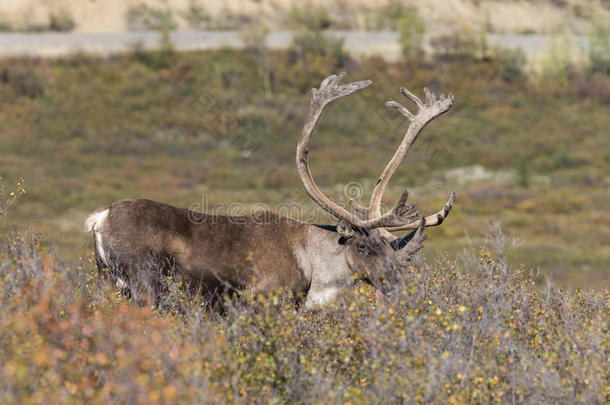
(367, 231)
(223, 253)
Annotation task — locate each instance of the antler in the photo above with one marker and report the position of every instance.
(426, 112)
(402, 216)
(411, 243)
(430, 220)
(330, 89)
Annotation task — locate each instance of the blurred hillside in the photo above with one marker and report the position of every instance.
(440, 17)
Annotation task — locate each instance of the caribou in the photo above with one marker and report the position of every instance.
(265, 250)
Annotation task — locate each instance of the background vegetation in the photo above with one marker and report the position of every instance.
(529, 150)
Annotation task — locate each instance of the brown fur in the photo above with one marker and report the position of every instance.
(216, 253)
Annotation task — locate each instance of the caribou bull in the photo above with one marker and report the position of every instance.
(217, 253)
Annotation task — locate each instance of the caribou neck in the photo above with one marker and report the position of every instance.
(323, 262)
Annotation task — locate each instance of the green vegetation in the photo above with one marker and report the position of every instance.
(160, 58)
(6, 26)
(144, 17)
(599, 45)
(196, 16)
(466, 44)
(556, 63)
(523, 173)
(311, 47)
(512, 63)
(8, 199)
(411, 33)
(60, 20)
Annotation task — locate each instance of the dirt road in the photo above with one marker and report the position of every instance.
(357, 43)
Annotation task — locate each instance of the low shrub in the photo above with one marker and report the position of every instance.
(196, 15)
(143, 17)
(599, 45)
(512, 64)
(411, 31)
(61, 21)
(8, 198)
(468, 329)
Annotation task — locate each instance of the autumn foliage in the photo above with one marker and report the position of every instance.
(460, 330)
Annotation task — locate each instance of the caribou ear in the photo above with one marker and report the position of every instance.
(345, 230)
(399, 243)
(413, 241)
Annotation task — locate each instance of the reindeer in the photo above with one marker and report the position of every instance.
(218, 253)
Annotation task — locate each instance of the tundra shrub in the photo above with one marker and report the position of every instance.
(462, 330)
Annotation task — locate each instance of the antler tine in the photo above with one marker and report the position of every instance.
(401, 109)
(335, 79)
(401, 214)
(359, 208)
(401, 208)
(412, 97)
(329, 90)
(431, 220)
(426, 113)
(430, 97)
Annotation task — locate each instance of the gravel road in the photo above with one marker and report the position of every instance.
(357, 43)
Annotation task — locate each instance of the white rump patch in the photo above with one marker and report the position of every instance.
(93, 223)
